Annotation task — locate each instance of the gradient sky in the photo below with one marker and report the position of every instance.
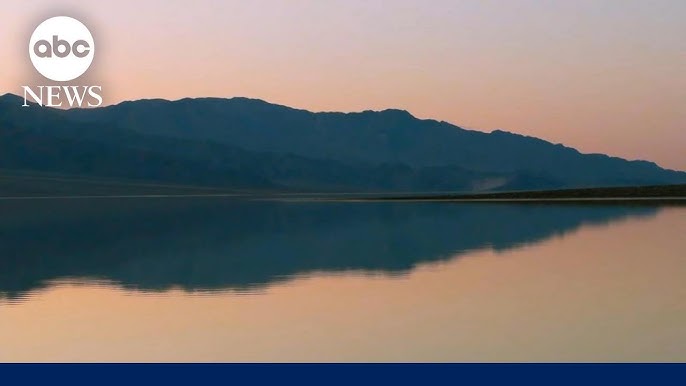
(602, 76)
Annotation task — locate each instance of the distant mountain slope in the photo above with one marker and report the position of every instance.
(389, 136)
(19, 183)
(49, 140)
(245, 143)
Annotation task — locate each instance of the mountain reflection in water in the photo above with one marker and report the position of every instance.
(219, 244)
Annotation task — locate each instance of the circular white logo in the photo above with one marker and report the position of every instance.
(61, 48)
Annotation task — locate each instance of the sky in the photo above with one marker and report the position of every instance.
(601, 76)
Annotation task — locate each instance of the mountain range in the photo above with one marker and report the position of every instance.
(242, 143)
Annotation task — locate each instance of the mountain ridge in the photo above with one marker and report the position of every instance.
(386, 110)
(299, 149)
(13, 97)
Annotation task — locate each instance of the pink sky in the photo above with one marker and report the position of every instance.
(604, 76)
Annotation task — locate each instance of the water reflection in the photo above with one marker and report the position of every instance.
(219, 244)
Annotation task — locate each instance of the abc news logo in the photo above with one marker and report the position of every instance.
(62, 49)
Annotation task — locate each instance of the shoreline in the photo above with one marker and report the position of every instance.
(641, 195)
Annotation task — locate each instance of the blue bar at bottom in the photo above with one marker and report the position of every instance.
(345, 374)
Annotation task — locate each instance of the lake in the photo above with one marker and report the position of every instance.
(170, 279)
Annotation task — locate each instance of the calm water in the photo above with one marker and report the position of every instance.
(221, 280)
